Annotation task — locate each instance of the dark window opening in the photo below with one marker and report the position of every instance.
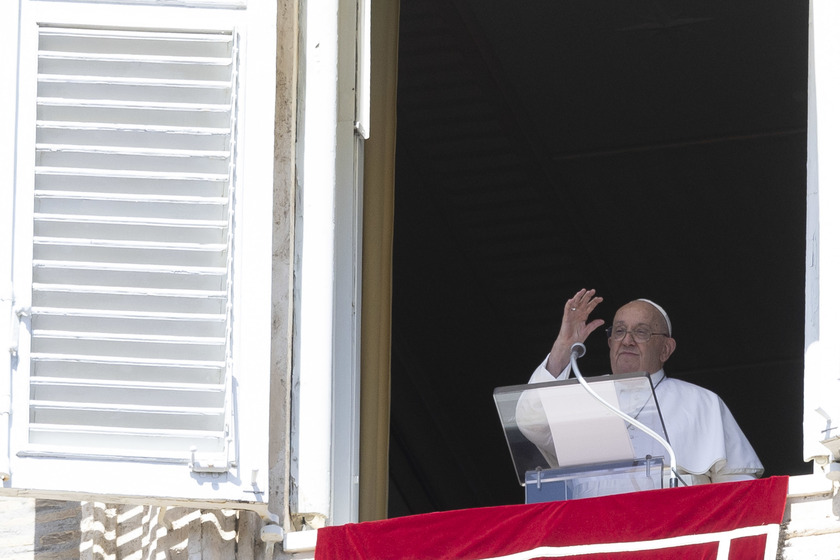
(651, 150)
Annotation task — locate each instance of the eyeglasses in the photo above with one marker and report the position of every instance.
(639, 334)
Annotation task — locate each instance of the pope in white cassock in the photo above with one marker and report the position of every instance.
(708, 444)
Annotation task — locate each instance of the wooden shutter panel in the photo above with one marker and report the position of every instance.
(131, 296)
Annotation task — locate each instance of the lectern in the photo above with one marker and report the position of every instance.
(567, 444)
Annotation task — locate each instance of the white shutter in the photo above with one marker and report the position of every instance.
(132, 226)
(141, 268)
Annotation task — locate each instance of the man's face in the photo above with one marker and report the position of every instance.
(629, 355)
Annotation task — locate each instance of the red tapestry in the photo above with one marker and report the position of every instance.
(737, 520)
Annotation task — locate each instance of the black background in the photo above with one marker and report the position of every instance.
(649, 149)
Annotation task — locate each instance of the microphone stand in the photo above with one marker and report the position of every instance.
(578, 350)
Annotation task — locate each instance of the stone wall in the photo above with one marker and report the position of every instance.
(811, 529)
(57, 530)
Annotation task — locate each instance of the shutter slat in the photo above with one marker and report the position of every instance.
(132, 197)
(119, 104)
(129, 221)
(130, 174)
(129, 151)
(111, 370)
(114, 267)
(119, 440)
(122, 337)
(72, 313)
(123, 360)
(175, 410)
(127, 127)
(120, 244)
(75, 79)
(69, 434)
(133, 385)
(139, 136)
(123, 35)
(130, 58)
(117, 321)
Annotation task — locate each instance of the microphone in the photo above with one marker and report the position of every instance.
(578, 350)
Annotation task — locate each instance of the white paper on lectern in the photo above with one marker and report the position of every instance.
(584, 430)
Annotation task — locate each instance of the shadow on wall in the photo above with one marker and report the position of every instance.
(99, 531)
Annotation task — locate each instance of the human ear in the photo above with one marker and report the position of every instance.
(667, 349)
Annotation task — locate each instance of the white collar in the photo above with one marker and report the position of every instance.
(657, 377)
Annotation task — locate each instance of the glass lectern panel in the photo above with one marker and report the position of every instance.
(559, 425)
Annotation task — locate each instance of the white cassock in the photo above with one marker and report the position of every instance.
(708, 444)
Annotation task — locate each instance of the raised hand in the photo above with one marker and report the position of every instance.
(574, 328)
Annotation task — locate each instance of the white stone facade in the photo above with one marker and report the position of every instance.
(59, 530)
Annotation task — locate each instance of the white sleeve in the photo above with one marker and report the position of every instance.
(542, 375)
(530, 416)
(733, 477)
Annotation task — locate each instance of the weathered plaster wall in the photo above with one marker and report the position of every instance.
(811, 529)
(57, 530)
(283, 255)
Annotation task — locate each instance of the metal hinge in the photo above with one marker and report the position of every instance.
(18, 314)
